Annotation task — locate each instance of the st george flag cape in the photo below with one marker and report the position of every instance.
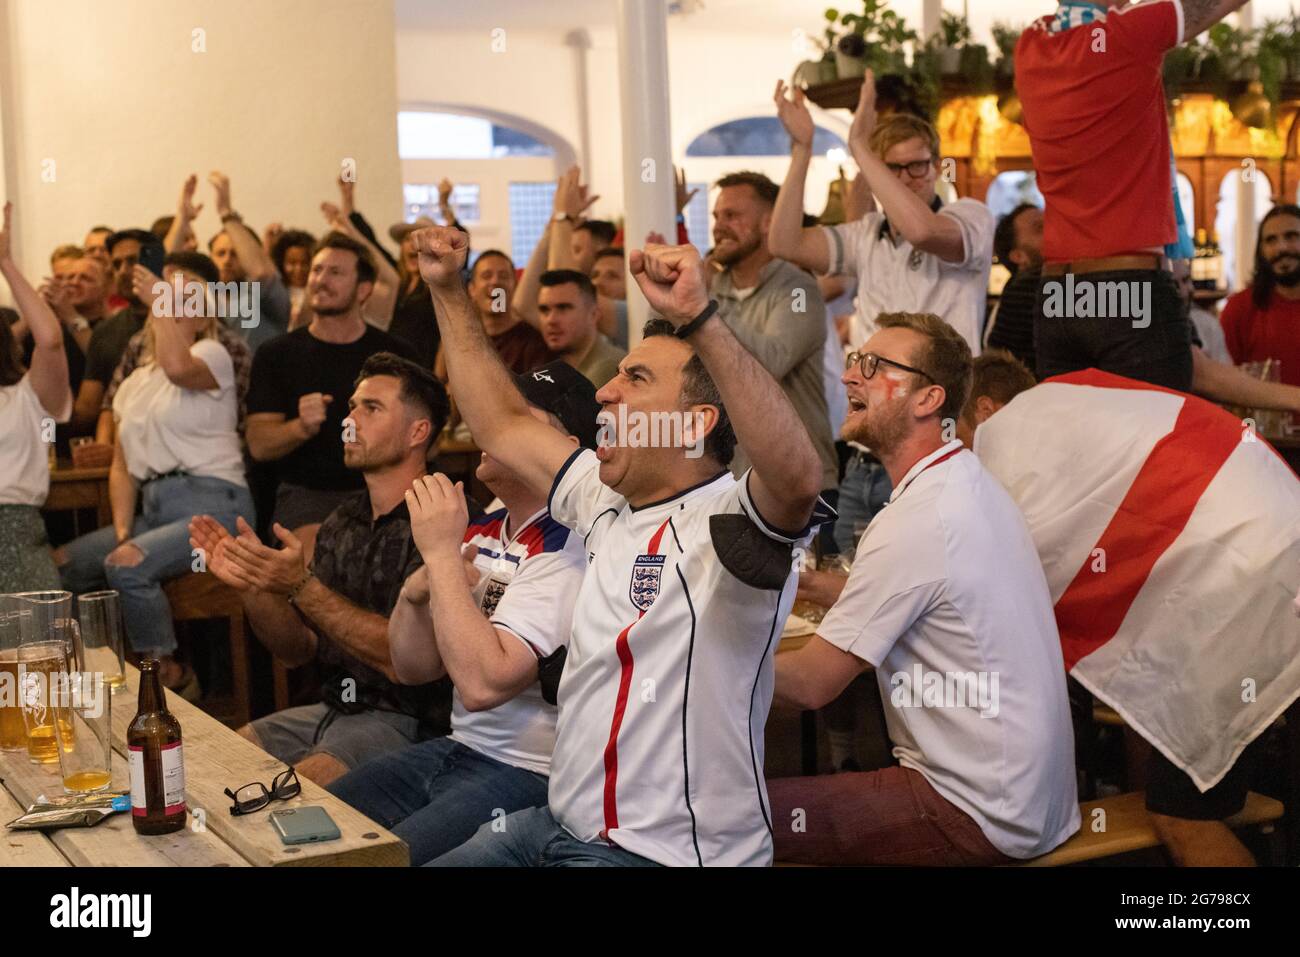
(1170, 536)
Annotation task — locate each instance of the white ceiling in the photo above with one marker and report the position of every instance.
(717, 16)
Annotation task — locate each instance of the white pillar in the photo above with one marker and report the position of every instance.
(580, 42)
(1244, 241)
(930, 11)
(648, 189)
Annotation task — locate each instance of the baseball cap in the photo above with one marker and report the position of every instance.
(567, 394)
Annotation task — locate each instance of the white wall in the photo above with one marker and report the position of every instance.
(115, 96)
(532, 82)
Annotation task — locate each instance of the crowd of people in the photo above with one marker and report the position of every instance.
(581, 670)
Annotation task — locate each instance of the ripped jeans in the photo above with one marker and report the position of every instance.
(161, 533)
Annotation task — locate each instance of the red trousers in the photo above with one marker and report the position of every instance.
(890, 816)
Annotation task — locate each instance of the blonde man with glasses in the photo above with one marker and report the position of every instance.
(915, 253)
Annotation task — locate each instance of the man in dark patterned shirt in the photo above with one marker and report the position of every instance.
(336, 612)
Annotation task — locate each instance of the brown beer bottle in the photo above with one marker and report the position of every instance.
(153, 743)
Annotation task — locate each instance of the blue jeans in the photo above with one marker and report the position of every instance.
(434, 795)
(161, 533)
(532, 838)
(865, 490)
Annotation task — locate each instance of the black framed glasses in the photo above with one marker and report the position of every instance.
(915, 169)
(867, 362)
(253, 797)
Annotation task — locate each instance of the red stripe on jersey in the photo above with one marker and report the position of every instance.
(624, 651)
(1154, 512)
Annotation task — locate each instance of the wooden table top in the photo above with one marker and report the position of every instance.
(215, 758)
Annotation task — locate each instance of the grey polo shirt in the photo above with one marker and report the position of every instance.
(601, 362)
(782, 321)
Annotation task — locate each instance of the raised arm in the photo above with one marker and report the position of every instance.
(488, 665)
(177, 362)
(787, 473)
(484, 389)
(49, 371)
(571, 199)
(411, 641)
(915, 221)
(529, 288)
(1200, 15)
(388, 284)
(186, 213)
(786, 237)
(257, 262)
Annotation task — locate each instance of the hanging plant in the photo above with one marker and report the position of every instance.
(1005, 38)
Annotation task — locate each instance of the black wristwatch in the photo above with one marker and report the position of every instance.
(693, 326)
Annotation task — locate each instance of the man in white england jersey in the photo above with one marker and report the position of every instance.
(659, 745)
(948, 602)
(501, 635)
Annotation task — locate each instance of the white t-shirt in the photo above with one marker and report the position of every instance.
(669, 675)
(528, 585)
(891, 279)
(164, 427)
(948, 600)
(24, 452)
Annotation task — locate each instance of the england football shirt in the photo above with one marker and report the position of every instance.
(669, 676)
(529, 578)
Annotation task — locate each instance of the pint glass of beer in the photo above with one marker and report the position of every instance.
(102, 648)
(13, 733)
(86, 753)
(42, 688)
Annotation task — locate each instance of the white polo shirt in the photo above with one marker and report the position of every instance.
(669, 675)
(164, 427)
(530, 575)
(948, 600)
(902, 279)
(24, 454)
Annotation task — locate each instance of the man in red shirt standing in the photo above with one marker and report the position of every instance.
(1263, 321)
(1094, 105)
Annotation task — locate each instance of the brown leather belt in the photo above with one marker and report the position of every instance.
(1107, 264)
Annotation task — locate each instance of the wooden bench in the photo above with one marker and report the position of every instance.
(1128, 828)
(203, 596)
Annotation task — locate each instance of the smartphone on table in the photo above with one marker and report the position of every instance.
(304, 825)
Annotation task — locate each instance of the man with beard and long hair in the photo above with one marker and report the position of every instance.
(1263, 321)
(948, 602)
(297, 397)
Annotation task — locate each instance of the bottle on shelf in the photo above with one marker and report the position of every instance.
(157, 765)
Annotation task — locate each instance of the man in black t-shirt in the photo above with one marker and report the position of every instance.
(298, 397)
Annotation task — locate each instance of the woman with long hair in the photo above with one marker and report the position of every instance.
(31, 401)
(177, 452)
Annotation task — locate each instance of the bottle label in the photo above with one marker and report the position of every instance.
(173, 774)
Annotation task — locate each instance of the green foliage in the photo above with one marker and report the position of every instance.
(955, 29)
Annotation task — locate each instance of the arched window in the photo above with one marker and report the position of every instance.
(506, 170)
(1225, 218)
(426, 135)
(756, 136)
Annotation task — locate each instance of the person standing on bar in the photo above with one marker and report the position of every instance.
(1089, 79)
